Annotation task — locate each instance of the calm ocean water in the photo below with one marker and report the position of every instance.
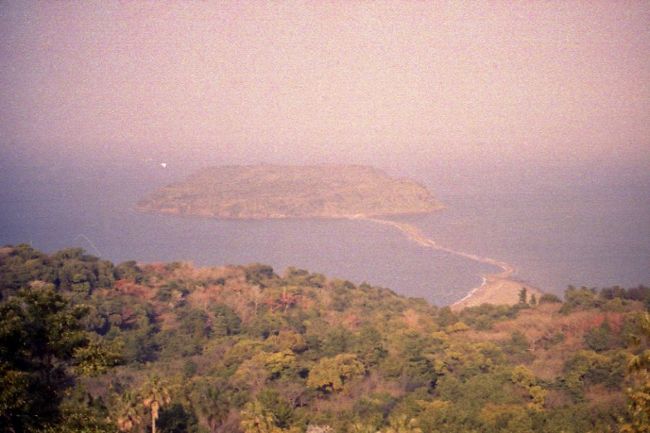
(554, 235)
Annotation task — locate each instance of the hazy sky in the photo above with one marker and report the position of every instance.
(323, 81)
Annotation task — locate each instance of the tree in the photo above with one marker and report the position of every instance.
(194, 324)
(525, 378)
(601, 338)
(369, 346)
(226, 321)
(415, 361)
(548, 298)
(155, 394)
(177, 419)
(581, 298)
(639, 376)
(280, 409)
(129, 271)
(330, 374)
(22, 265)
(279, 363)
(210, 402)
(259, 274)
(336, 341)
(39, 332)
(446, 317)
(523, 293)
(256, 419)
(509, 418)
(583, 368)
(95, 357)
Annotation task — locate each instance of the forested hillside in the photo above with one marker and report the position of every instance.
(88, 346)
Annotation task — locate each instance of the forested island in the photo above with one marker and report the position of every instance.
(89, 346)
(275, 191)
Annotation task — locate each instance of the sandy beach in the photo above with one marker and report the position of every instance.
(498, 288)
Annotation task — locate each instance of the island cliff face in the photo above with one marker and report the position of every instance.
(273, 191)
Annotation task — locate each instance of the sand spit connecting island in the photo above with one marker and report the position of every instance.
(322, 191)
(499, 288)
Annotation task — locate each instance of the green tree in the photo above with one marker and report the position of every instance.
(331, 374)
(601, 338)
(97, 356)
(279, 363)
(259, 274)
(129, 271)
(255, 418)
(548, 298)
(336, 341)
(581, 298)
(226, 321)
(194, 323)
(587, 367)
(369, 346)
(83, 413)
(280, 409)
(525, 378)
(39, 332)
(446, 317)
(21, 265)
(523, 294)
(509, 418)
(177, 419)
(639, 377)
(210, 402)
(416, 360)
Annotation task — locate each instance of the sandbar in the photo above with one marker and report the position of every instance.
(498, 288)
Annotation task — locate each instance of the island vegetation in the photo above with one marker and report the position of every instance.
(89, 346)
(273, 191)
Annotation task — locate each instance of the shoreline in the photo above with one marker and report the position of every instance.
(471, 293)
(496, 288)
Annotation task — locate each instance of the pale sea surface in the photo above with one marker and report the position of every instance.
(555, 232)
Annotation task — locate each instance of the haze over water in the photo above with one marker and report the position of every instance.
(530, 121)
(588, 234)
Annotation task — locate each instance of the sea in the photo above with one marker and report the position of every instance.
(557, 227)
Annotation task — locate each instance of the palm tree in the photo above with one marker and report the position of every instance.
(127, 415)
(155, 395)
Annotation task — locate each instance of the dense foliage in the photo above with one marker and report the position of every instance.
(86, 346)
